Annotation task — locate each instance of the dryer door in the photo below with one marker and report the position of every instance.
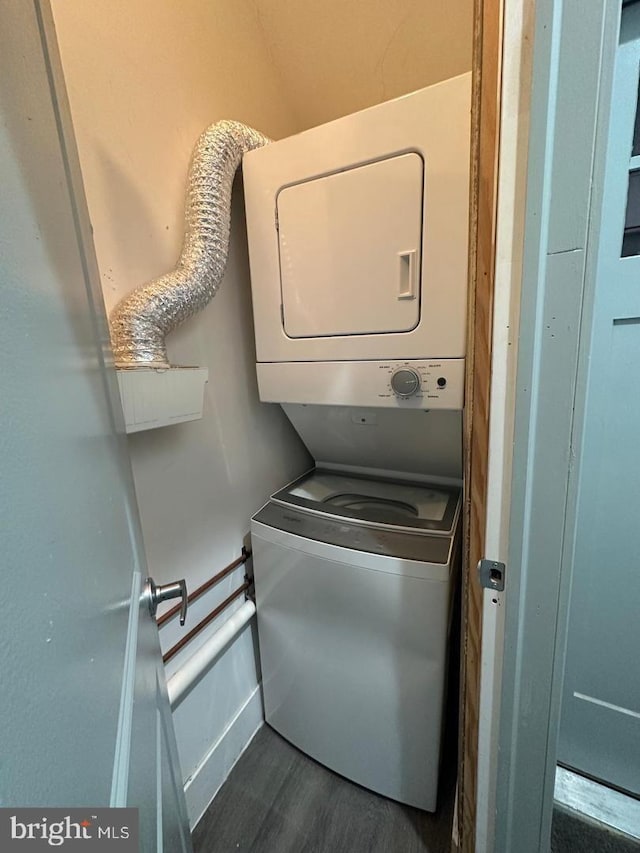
(350, 250)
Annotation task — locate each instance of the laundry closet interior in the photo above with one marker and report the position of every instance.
(297, 432)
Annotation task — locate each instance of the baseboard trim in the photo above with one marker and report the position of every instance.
(209, 776)
(597, 802)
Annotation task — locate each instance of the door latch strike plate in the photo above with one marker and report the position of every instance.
(492, 574)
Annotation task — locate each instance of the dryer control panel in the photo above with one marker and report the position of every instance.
(399, 384)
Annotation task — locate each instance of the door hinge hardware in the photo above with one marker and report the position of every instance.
(492, 574)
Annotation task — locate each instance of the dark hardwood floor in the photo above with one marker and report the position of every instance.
(572, 832)
(277, 800)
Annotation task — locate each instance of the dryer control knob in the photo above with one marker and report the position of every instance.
(405, 382)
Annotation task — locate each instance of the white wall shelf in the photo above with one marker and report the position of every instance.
(154, 397)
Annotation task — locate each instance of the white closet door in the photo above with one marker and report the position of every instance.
(600, 725)
(86, 721)
(350, 250)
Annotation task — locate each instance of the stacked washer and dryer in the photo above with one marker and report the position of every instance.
(358, 249)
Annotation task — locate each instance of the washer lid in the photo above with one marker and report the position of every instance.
(379, 502)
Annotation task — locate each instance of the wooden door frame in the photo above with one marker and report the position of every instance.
(574, 47)
(564, 44)
(485, 117)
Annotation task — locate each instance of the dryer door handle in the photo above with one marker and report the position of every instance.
(407, 274)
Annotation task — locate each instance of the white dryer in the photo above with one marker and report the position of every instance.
(357, 235)
(354, 579)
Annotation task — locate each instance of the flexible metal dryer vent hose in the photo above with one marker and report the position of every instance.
(140, 322)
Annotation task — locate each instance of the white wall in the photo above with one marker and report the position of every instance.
(144, 79)
(339, 56)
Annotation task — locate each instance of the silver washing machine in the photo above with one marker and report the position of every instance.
(354, 585)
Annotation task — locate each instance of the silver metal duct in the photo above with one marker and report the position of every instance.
(140, 322)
